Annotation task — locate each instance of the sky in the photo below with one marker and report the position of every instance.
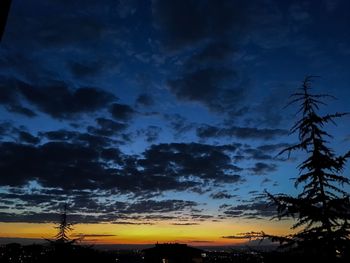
(160, 121)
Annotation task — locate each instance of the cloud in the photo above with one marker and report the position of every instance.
(164, 206)
(213, 53)
(222, 195)
(87, 69)
(93, 235)
(211, 31)
(8, 94)
(208, 131)
(145, 100)
(19, 134)
(131, 223)
(204, 162)
(53, 164)
(78, 138)
(28, 138)
(84, 209)
(267, 152)
(9, 97)
(185, 23)
(273, 147)
(81, 161)
(179, 124)
(252, 210)
(122, 112)
(107, 127)
(85, 206)
(52, 217)
(151, 133)
(257, 154)
(55, 99)
(60, 102)
(208, 86)
(86, 26)
(21, 110)
(260, 168)
(185, 224)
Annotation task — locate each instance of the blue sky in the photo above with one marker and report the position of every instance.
(142, 108)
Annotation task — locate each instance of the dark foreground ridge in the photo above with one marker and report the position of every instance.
(160, 253)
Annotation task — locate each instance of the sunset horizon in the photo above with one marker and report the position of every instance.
(200, 122)
(207, 234)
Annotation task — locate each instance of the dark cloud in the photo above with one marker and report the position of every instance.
(107, 127)
(151, 133)
(122, 112)
(79, 23)
(208, 131)
(28, 138)
(85, 70)
(214, 52)
(28, 217)
(51, 217)
(185, 224)
(61, 102)
(21, 110)
(5, 127)
(222, 195)
(208, 86)
(131, 223)
(260, 168)
(266, 181)
(93, 235)
(145, 100)
(84, 208)
(55, 99)
(265, 152)
(165, 206)
(205, 162)
(78, 161)
(179, 124)
(60, 135)
(36, 199)
(274, 148)
(185, 23)
(8, 94)
(75, 137)
(212, 29)
(10, 98)
(257, 154)
(19, 134)
(54, 164)
(257, 209)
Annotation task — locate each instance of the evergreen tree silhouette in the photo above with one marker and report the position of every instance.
(322, 209)
(63, 228)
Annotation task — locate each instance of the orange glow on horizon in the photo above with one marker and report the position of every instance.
(204, 234)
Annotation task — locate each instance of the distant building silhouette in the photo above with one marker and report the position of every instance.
(173, 253)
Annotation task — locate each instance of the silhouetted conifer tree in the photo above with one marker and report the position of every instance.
(63, 227)
(322, 209)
